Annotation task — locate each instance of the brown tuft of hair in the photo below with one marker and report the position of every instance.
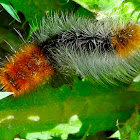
(26, 70)
(126, 40)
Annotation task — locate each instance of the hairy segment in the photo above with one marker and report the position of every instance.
(106, 51)
(25, 70)
(126, 40)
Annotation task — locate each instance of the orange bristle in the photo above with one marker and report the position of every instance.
(126, 40)
(24, 71)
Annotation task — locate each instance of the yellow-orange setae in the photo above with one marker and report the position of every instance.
(24, 71)
(126, 40)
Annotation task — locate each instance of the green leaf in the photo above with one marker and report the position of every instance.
(5, 94)
(116, 135)
(135, 86)
(99, 5)
(131, 129)
(137, 79)
(124, 12)
(7, 6)
(95, 106)
(61, 130)
(34, 10)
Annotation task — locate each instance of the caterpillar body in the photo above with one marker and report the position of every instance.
(105, 51)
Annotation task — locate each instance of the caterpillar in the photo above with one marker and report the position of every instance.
(103, 52)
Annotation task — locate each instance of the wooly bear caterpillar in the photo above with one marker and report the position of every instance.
(104, 52)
